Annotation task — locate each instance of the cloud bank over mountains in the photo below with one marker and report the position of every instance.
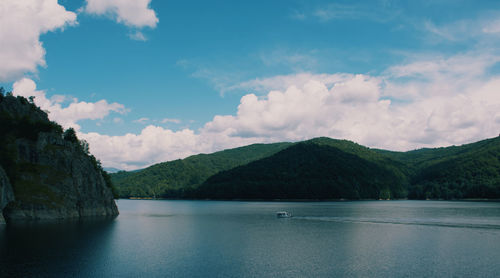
(428, 101)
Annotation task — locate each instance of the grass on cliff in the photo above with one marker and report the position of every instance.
(34, 185)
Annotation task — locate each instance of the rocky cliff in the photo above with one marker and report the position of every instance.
(52, 175)
(6, 193)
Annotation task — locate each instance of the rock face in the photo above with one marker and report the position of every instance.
(51, 178)
(6, 193)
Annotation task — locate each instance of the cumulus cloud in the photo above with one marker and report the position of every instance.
(133, 13)
(21, 24)
(445, 103)
(357, 108)
(155, 144)
(66, 116)
(307, 110)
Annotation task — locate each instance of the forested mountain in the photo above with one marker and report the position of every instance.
(174, 179)
(309, 170)
(469, 171)
(324, 168)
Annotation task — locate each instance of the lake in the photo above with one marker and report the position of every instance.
(246, 239)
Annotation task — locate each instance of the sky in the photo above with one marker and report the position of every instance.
(147, 81)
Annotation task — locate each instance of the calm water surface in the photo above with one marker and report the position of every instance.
(245, 239)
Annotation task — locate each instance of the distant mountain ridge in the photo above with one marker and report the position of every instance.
(333, 169)
(111, 170)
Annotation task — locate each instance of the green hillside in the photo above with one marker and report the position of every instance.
(455, 172)
(421, 158)
(469, 171)
(310, 170)
(174, 179)
(328, 168)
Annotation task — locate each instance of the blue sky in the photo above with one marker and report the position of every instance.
(180, 77)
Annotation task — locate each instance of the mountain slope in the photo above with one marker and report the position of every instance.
(467, 171)
(471, 171)
(308, 170)
(173, 179)
(422, 158)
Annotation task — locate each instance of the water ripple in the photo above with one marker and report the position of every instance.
(436, 223)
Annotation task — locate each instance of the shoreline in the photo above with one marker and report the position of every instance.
(308, 200)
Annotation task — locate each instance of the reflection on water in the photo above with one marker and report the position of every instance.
(53, 248)
(245, 239)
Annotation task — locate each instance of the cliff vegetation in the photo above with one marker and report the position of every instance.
(46, 172)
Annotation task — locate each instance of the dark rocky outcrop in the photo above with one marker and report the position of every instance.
(6, 193)
(51, 177)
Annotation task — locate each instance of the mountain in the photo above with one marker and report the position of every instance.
(321, 168)
(467, 171)
(177, 178)
(328, 168)
(111, 170)
(46, 173)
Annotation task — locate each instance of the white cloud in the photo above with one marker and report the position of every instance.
(66, 116)
(430, 76)
(155, 144)
(447, 101)
(492, 26)
(133, 13)
(484, 30)
(282, 82)
(222, 81)
(137, 36)
(305, 111)
(168, 120)
(339, 11)
(448, 32)
(335, 11)
(117, 120)
(296, 60)
(143, 120)
(21, 24)
(443, 111)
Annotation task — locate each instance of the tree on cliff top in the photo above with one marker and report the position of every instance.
(70, 135)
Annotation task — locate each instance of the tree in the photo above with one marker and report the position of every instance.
(70, 135)
(85, 146)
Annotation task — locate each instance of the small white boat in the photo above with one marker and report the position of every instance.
(283, 214)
